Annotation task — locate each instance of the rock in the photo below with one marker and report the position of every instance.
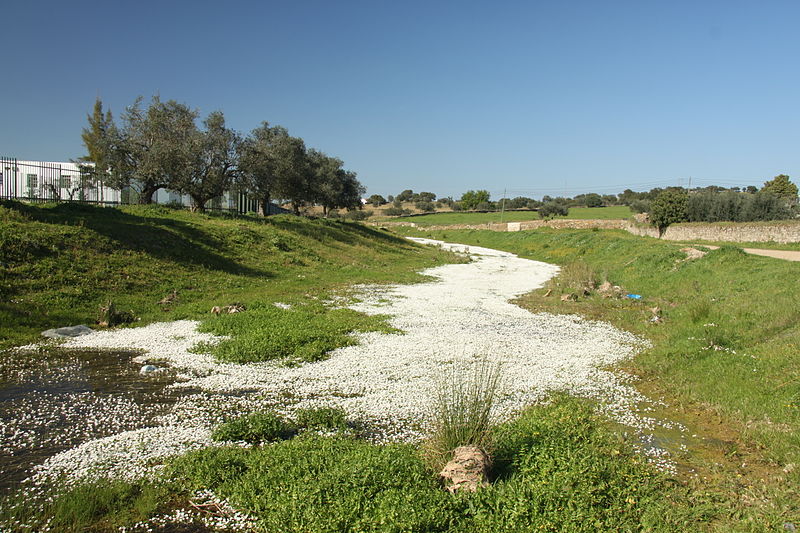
(147, 369)
(110, 317)
(467, 470)
(693, 253)
(170, 298)
(228, 309)
(69, 331)
(606, 290)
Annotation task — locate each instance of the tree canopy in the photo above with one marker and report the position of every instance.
(162, 147)
(782, 187)
(472, 199)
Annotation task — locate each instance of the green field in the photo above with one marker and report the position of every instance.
(453, 218)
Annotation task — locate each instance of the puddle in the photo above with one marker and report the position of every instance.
(55, 400)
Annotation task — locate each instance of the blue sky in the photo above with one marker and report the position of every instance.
(533, 97)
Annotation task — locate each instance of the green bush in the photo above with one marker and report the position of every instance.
(426, 207)
(254, 428)
(552, 209)
(395, 211)
(357, 214)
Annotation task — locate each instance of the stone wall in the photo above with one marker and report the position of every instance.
(518, 226)
(783, 231)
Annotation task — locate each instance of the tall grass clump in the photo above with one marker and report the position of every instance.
(576, 277)
(462, 411)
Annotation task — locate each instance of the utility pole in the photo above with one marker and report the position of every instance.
(503, 205)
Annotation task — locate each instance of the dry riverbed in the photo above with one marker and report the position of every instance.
(386, 382)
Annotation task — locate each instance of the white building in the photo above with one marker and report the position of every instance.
(43, 181)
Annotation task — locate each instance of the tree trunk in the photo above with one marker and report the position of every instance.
(146, 195)
(264, 208)
(198, 204)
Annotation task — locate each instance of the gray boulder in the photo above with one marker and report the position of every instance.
(69, 331)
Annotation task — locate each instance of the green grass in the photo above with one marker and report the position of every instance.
(60, 263)
(557, 468)
(304, 333)
(99, 506)
(589, 213)
(727, 348)
(453, 218)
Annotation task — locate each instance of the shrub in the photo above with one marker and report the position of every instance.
(426, 207)
(640, 206)
(395, 212)
(358, 214)
(551, 209)
(254, 428)
(577, 277)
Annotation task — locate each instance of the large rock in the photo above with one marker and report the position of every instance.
(69, 331)
(467, 470)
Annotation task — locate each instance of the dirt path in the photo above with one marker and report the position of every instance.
(788, 255)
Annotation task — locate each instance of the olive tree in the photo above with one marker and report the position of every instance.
(214, 159)
(151, 149)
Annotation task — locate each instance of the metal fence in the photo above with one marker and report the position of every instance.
(40, 182)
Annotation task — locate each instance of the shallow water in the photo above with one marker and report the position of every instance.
(54, 400)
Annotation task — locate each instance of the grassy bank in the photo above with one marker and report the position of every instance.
(59, 264)
(725, 354)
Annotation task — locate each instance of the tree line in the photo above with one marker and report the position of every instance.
(776, 200)
(161, 146)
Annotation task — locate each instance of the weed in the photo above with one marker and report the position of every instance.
(462, 411)
(753, 306)
(577, 277)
